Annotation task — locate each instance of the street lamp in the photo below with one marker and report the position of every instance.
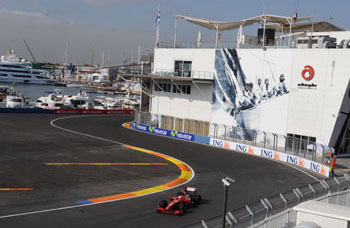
(226, 181)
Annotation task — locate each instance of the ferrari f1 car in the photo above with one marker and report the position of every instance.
(181, 202)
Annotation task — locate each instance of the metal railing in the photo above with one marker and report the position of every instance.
(195, 45)
(290, 145)
(167, 73)
(276, 211)
(221, 44)
(288, 218)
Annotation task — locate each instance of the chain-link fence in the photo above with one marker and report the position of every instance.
(305, 148)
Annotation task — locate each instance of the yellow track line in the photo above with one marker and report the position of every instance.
(16, 189)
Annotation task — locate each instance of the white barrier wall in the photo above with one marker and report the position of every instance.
(271, 154)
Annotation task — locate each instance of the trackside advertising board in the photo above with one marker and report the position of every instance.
(271, 154)
(163, 132)
(93, 111)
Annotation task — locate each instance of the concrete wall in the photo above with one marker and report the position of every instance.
(313, 111)
(195, 106)
(202, 59)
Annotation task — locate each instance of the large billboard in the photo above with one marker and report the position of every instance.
(251, 89)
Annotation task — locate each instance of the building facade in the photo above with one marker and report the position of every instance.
(294, 92)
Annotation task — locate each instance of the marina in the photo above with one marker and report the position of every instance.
(41, 97)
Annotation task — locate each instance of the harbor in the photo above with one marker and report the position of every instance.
(32, 85)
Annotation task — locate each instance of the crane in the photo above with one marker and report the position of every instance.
(25, 42)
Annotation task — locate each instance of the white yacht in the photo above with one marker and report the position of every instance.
(107, 103)
(14, 69)
(15, 101)
(54, 100)
(3, 93)
(79, 101)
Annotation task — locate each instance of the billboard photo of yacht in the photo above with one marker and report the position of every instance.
(249, 97)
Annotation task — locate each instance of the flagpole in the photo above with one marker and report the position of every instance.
(157, 24)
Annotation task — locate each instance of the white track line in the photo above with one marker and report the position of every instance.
(91, 204)
(303, 171)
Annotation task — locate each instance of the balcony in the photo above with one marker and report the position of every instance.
(166, 74)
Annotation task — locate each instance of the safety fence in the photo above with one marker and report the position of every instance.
(297, 146)
(276, 212)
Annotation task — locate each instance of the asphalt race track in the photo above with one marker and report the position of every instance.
(29, 141)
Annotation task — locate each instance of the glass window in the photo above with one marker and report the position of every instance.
(176, 89)
(183, 68)
(187, 67)
(178, 68)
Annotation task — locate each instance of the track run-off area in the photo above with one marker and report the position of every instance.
(90, 171)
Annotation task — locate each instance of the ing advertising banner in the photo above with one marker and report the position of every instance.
(251, 89)
(272, 154)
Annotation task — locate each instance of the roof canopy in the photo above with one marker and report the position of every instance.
(222, 26)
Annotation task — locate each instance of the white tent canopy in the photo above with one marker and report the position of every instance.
(230, 25)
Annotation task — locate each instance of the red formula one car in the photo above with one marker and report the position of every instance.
(183, 200)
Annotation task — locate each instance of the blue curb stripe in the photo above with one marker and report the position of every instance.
(84, 202)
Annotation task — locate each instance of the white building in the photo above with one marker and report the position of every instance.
(299, 89)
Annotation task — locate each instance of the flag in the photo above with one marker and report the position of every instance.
(199, 39)
(156, 23)
(157, 18)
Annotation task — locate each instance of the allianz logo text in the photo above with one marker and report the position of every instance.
(184, 136)
(160, 132)
(143, 128)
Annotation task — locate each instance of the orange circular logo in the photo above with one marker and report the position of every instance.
(308, 72)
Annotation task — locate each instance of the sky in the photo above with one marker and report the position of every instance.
(117, 28)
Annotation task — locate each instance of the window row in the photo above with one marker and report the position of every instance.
(167, 87)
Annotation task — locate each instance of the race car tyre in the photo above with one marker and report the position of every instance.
(163, 204)
(182, 208)
(197, 199)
